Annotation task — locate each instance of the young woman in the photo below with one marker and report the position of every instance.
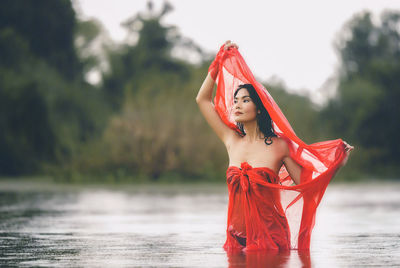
(256, 218)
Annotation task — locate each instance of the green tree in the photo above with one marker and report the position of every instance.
(134, 66)
(366, 107)
(48, 27)
(47, 109)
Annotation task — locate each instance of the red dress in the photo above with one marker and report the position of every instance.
(256, 219)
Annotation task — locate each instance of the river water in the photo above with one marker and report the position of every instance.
(48, 225)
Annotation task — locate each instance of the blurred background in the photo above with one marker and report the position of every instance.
(102, 143)
(82, 101)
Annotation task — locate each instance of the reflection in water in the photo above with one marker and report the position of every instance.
(269, 259)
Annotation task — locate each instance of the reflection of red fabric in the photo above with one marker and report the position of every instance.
(266, 211)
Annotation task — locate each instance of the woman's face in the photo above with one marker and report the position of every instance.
(244, 109)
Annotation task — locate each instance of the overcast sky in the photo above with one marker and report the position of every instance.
(290, 40)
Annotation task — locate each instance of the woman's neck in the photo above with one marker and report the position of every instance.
(252, 131)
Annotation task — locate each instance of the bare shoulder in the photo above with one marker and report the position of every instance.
(281, 145)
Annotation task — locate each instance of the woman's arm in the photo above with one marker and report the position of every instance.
(204, 101)
(295, 169)
(292, 167)
(204, 98)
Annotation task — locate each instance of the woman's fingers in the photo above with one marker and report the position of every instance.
(348, 148)
(229, 44)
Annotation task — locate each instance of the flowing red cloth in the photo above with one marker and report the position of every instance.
(267, 210)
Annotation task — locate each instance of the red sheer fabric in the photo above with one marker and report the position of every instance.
(267, 210)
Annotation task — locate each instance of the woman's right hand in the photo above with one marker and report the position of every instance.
(228, 44)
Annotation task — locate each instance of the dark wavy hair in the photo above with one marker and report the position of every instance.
(264, 121)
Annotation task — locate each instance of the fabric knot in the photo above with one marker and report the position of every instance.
(244, 177)
(245, 167)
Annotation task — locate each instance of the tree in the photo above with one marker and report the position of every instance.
(146, 57)
(47, 110)
(365, 109)
(48, 27)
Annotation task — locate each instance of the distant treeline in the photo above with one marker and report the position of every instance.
(141, 122)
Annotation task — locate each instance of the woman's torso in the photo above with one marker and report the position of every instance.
(257, 154)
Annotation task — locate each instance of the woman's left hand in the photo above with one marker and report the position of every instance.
(348, 148)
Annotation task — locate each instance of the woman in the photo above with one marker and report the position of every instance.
(262, 159)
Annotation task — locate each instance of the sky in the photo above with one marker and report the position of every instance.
(288, 41)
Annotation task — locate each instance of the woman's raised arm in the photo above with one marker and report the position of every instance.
(204, 97)
(204, 101)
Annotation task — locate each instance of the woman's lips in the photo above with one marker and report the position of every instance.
(238, 113)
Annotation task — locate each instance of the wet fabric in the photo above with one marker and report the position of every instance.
(267, 210)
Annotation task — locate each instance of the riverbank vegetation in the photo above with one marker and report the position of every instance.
(137, 119)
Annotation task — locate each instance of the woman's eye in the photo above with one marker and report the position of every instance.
(245, 100)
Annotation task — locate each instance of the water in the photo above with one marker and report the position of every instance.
(357, 225)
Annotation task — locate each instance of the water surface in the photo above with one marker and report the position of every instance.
(47, 225)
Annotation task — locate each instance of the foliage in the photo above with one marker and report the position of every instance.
(45, 115)
(366, 108)
(141, 123)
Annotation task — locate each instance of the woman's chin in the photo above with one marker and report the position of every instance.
(240, 121)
